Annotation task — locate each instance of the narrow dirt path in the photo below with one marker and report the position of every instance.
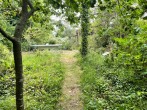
(70, 99)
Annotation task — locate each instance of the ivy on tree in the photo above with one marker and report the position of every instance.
(85, 4)
(84, 29)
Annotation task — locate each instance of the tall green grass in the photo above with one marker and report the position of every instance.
(43, 75)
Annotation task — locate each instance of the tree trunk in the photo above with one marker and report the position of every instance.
(19, 75)
(18, 61)
(84, 31)
(16, 40)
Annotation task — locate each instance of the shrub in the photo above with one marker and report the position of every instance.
(52, 41)
(67, 45)
(132, 54)
(5, 59)
(25, 46)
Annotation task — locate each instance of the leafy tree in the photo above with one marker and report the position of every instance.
(26, 12)
(38, 34)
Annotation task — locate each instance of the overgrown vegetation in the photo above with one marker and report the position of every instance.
(43, 75)
(113, 49)
(109, 86)
(5, 59)
(115, 70)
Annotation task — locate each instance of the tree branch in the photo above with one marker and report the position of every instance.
(31, 13)
(32, 9)
(6, 35)
(30, 5)
(24, 7)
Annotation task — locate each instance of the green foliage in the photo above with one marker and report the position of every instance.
(106, 87)
(8, 104)
(6, 26)
(131, 53)
(52, 41)
(5, 59)
(120, 81)
(67, 46)
(43, 75)
(6, 74)
(38, 34)
(117, 84)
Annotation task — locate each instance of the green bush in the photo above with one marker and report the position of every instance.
(132, 54)
(67, 45)
(25, 46)
(6, 74)
(52, 41)
(5, 59)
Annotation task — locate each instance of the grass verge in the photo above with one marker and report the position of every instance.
(43, 75)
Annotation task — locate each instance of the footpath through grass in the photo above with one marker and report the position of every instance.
(71, 94)
(43, 75)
